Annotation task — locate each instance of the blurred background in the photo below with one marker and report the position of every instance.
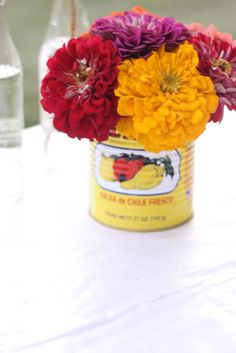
(28, 21)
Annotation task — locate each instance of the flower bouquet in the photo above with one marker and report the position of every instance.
(142, 88)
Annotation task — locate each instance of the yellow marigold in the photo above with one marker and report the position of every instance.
(164, 101)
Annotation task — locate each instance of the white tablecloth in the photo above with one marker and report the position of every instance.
(71, 285)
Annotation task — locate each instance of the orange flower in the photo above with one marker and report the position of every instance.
(164, 101)
(141, 10)
(113, 14)
(136, 9)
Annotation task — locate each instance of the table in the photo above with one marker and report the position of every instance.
(71, 285)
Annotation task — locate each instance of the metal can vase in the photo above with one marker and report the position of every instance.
(136, 190)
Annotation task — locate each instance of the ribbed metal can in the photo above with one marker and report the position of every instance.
(136, 190)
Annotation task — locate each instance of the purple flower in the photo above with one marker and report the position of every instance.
(137, 35)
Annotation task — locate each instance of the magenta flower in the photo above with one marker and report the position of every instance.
(137, 35)
(211, 31)
(218, 61)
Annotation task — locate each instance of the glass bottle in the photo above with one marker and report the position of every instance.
(68, 19)
(11, 116)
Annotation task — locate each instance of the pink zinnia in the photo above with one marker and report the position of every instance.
(218, 61)
(211, 31)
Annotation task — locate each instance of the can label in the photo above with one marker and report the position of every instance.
(137, 190)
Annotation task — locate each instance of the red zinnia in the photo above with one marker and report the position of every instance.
(79, 88)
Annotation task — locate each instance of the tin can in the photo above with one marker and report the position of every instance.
(136, 190)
